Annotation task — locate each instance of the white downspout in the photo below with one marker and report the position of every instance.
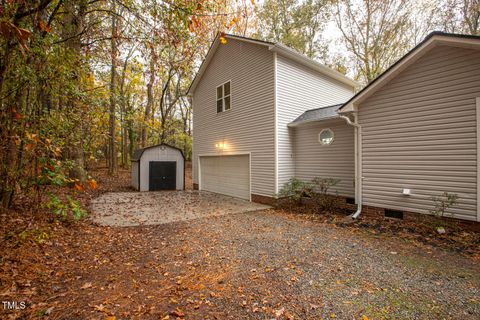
(358, 163)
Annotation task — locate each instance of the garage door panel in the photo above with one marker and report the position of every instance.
(229, 175)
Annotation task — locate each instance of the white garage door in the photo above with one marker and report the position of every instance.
(229, 175)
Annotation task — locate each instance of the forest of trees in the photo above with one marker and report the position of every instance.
(86, 82)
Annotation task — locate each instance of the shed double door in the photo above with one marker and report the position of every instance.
(162, 175)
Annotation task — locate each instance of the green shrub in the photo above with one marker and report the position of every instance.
(323, 201)
(53, 172)
(295, 190)
(443, 203)
(65, 209)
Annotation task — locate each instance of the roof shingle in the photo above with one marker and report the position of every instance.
(317, 114)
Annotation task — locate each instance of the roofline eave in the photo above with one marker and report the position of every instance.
(431, 41)
(294, 124)
(347, 108)
(275, 47)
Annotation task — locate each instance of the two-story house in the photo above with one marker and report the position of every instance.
(252, 106)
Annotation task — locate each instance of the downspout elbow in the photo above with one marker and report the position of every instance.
(349, 121)
(358, 212)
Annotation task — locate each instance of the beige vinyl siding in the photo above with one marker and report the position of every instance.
(333, 161)
(420, 132)
(300, 89)
(248, 127)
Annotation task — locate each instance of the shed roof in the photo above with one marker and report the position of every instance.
(139, 152)
(434, 39)
(323, 113)
(274, 47)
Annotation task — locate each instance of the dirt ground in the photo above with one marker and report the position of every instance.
(266, 264)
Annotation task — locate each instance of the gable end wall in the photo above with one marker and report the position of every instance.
(249, 126)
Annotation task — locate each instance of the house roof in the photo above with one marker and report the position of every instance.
(275, 47)
(139, 152)
(433, 40)
(323, 113)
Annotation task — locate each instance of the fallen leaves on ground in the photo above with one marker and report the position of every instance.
(261, 266)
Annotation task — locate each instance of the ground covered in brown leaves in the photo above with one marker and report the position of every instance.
(260, 265)
(459, 236)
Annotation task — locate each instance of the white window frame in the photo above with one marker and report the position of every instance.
(223, 96)
(320, 134)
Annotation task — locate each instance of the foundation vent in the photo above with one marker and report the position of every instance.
(390, 213)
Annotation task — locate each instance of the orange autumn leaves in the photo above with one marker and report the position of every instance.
(222, 39)
(44, 27)
(233, 22)
(80, 187)
(9, 30)
(194, 22)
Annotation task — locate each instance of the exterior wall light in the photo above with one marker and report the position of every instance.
(221, 146)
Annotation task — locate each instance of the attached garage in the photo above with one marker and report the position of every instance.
(159, 167)
(228, 175)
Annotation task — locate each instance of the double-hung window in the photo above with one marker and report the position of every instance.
(223, 97)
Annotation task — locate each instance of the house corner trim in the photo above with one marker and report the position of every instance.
(478, 156)
(275, 124)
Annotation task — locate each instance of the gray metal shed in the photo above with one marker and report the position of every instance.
(159, 167)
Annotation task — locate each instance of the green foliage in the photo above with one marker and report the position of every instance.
(388, 39)
(318, 190)
(324, 201)
(56, 81)
(297, 25)
(295, 190)
(54, 172)
(442, 203)
(66, 209)
(322, 185)
(36, 235)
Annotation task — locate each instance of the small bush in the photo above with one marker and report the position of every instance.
(295, 190)
(443, 203)
(65, 209)
(323, 201)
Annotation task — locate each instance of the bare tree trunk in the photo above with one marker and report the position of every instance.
(123, 110)
(124, 133)
(148, 107)
(184, 114)
(7, 143)
(167, 104)
(112, 165)
(73, 27)
(124, 144)
(131, 133)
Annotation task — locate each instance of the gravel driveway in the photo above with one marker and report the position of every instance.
(150, 208)
(266, 265)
